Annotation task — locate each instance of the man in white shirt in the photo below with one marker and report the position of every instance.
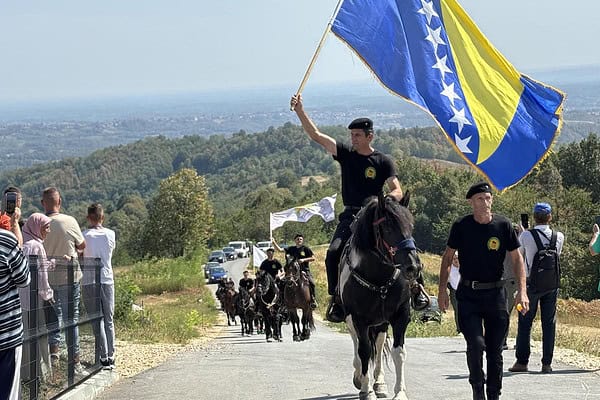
(542, 214)
(100, 243)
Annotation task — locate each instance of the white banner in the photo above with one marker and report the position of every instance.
(325, 208)
(258, 256)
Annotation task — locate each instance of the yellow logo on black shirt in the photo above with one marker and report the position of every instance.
(493, 243)
(370, 173)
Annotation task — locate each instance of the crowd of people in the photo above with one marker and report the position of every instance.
(59, 247)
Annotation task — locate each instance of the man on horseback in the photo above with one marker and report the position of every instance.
(271, 265)
(303, 254)
(364, 173)
(246, 282)
(483, 240)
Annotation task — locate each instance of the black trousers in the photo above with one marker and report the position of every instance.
(336, 246)
(484, 322)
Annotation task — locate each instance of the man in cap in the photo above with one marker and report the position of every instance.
(483, 239)
(542, 215)
(364, 173)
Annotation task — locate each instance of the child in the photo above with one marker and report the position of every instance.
(100, 243)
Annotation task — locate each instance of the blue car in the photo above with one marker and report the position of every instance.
(215, 274)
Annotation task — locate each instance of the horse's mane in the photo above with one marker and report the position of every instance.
(362, 228)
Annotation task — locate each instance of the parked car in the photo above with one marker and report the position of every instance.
(263, 245)
(230, 253)
(240, 247)
(217, 256)
(215, 274)
(208, 266)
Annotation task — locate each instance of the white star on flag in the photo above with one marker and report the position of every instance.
(462, 144)
(428, 10)
(459, 118)
(449, 92)
(441, 65)
(434, 37)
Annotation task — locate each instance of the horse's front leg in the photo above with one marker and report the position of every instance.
(379, 386)
(399, 351)
(362, 354)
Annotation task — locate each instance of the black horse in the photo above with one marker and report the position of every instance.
(244, 307)
(376, 267)
(268, 302)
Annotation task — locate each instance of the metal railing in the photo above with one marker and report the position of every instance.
(46, 374)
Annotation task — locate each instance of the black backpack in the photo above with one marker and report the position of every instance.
(545, 269)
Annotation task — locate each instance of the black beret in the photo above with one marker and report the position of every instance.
(481, 187)
(361, 123)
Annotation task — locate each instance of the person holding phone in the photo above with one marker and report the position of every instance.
(594, 245)
(10, 214)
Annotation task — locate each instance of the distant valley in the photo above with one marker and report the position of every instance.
(42, 131)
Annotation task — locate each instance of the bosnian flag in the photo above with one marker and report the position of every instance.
(325, 208)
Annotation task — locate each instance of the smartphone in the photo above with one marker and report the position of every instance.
(10, 202)
(525, 220)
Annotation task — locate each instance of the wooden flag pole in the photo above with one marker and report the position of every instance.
(318, 50)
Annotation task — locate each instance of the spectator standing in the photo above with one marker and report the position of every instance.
(35, 231)
(100, 243)
(542, 215)
(10, 220)
(595, 241)
(62, 243)
(14, 273)
(482, 239)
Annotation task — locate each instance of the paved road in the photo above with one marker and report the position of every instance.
(235, 367)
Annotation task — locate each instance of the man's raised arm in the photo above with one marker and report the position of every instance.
(324, 140)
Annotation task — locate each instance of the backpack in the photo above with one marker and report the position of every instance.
(545, 269)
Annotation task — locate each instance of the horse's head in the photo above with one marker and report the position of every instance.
(386, 225)
(263, 283)
(292, 267)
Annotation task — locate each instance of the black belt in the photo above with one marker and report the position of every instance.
(476, 285)
(352, 208)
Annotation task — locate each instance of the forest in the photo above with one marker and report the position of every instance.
(172, 197)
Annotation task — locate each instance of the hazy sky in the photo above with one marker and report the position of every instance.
(65, 48)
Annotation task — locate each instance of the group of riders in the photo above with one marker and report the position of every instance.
(262, 310)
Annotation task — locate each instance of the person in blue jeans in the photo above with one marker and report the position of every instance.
(542, 214)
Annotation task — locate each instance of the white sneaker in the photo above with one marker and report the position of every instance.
(80, 370)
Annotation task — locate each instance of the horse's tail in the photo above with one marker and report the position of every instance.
(311, 320)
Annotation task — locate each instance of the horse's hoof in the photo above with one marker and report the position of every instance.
(296, 339)
(357, 382)
(381, 390)
(269, 340)
(367, 396)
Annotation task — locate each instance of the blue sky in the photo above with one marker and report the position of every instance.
(73, 48)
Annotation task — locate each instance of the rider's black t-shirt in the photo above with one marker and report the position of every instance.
(362, 176)
(271, 266)
(246, 283)
(297, 253)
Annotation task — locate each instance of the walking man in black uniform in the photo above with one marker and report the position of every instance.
(483, 240)
(303, 254)
(364, 173)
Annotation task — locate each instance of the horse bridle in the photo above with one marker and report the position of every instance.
(275, 297)
(407, 244)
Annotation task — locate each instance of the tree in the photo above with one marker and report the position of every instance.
(180, 218)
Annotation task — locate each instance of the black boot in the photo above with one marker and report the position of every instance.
(478, 392)
(335, 310)
(419, 298)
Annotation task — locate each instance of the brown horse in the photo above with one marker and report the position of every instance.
(228, 298)
(296, 295)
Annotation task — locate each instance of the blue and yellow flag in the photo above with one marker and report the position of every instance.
(431, 53)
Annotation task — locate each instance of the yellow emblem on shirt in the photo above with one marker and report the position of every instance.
(493, 243)
(370, 173)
